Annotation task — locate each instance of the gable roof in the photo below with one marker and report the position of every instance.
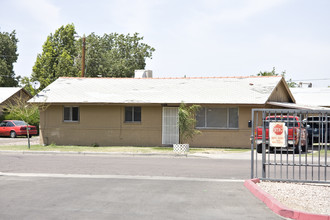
(7, 92)
(208, 90)
(312, 96)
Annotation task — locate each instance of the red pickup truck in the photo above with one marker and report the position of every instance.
(296, 134)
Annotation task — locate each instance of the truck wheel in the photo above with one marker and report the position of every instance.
(259, 148)
(296, 149)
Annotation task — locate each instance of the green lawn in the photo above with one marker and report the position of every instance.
(124, 149)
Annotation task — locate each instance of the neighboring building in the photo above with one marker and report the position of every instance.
(10, 95)
(143, 112)
(312, 96)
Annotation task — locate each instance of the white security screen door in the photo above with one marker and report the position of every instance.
(170, 128)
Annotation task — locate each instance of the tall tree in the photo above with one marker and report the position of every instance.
(57, 58)
(8, 56)
(290, 83)
(112, 55)
(266, 73)
(115, 55)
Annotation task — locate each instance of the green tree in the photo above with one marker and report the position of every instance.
(26, 83)
(114, 55)
(266, 73)
(8, 56)
(21, 110)
(57, 58)
(290, 83)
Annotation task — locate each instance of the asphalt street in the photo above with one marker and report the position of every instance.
(59, 186)
(125, 165)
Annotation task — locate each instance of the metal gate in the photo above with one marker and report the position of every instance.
(290, 145)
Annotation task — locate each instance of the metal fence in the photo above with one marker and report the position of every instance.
(290, 145)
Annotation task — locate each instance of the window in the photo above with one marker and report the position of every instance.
(132, 114)
(71, 114)
(10, 124)
(217, 118)
(3, 124)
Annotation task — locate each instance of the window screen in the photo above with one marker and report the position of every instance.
(71, 114)
(200, 118)
(67, 113)
(217, 118)
(233, 117)
(133, 114)
(128, 113)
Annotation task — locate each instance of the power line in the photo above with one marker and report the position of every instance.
(296, 80)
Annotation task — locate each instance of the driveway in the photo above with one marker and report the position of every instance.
(7, 141)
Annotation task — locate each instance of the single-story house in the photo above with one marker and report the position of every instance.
(312, 96)
(11, 95)
(143, 111)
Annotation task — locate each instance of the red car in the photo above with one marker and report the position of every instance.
(15, 128)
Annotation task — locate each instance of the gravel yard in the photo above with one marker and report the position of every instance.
(7, 141)
(311, 198)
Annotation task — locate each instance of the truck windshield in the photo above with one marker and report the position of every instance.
(289, 122)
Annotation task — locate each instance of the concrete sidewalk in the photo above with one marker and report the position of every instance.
(221, 155)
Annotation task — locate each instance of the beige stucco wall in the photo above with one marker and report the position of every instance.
(104, 125)
(227, 137)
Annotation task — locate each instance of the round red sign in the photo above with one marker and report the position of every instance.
(278, 129)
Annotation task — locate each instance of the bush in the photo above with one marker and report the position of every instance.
(187, 122)
(31, 116)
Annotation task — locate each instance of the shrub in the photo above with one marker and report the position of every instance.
(187, 122)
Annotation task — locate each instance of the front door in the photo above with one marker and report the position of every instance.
(170, 127)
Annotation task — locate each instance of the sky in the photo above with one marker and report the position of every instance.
(195, 38)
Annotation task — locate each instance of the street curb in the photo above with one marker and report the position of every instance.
(95, 153)
(276, 206)
(126, 154)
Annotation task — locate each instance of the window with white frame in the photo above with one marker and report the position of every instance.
(71, 114)
(217, 118)
(133, 114)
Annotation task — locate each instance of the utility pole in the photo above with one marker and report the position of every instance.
(83, 57)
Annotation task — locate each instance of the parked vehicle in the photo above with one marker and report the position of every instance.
(318, 129)
(14, 128)
(296, 134)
